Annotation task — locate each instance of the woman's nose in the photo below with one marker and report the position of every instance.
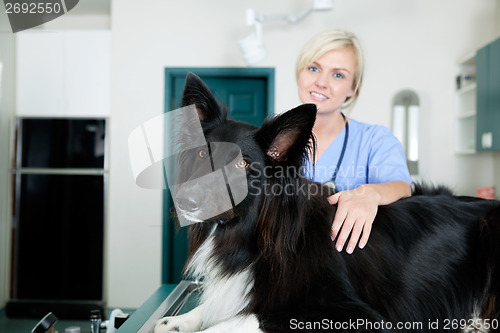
(321, 81)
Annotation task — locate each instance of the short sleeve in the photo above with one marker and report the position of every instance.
(386, 160)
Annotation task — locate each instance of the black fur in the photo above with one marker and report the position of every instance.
(430, 258)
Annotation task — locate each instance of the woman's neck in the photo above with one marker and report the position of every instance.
(326, 128)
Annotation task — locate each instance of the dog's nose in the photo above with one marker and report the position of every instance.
(188, 204)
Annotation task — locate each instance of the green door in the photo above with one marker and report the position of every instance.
(249, 95)
(494, 111)
(488, 97)
(482, 94)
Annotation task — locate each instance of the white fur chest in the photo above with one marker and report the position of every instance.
(223, 297)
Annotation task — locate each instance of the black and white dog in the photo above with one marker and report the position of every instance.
(269, 264)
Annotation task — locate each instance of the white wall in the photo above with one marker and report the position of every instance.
(7, 83)
(411, 44)
(7, 60)
(496, 164)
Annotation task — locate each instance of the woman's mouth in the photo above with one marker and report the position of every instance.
(317, 96)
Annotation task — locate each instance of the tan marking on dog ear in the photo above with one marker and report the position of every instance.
(281, 144)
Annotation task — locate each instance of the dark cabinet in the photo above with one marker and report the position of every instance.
(488, 97)
(59, 207)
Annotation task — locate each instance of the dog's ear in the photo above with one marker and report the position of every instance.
(288, 136)
(196, 92)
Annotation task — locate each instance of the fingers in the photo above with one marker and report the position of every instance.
(334, 199)
(359, 230)
(349, 226)
(353, 219)
(355, 234)
(366, 235)
(338, 221)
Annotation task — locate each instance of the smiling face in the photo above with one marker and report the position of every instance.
(328, 81)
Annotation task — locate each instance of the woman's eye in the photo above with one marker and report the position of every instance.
(313, 68)
(242, 164)
(338, 75)
(202, 153)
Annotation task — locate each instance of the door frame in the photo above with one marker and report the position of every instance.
(171, 73)
(221, 72)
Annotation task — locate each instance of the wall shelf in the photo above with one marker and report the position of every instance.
(466, 115)
(465, 107)
(469, 88)
(465, 152)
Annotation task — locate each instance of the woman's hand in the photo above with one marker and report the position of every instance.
(356, 212)
(357, 209)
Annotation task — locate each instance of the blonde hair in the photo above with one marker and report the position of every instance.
(334, 40)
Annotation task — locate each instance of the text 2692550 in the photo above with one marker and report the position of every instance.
(33, 8)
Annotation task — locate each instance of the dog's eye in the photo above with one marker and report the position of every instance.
(242, 164)
(202, 153)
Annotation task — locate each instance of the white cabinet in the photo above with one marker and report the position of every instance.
(465, 110)
(63, 73)
(39, 74)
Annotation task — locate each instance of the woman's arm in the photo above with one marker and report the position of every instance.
(357, 209)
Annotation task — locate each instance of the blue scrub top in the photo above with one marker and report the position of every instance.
(373, 155)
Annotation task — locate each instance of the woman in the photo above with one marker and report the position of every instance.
(366, 163)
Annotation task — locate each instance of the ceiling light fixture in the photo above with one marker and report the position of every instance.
(252, 46)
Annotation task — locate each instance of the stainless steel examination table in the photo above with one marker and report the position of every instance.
(168, 300)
